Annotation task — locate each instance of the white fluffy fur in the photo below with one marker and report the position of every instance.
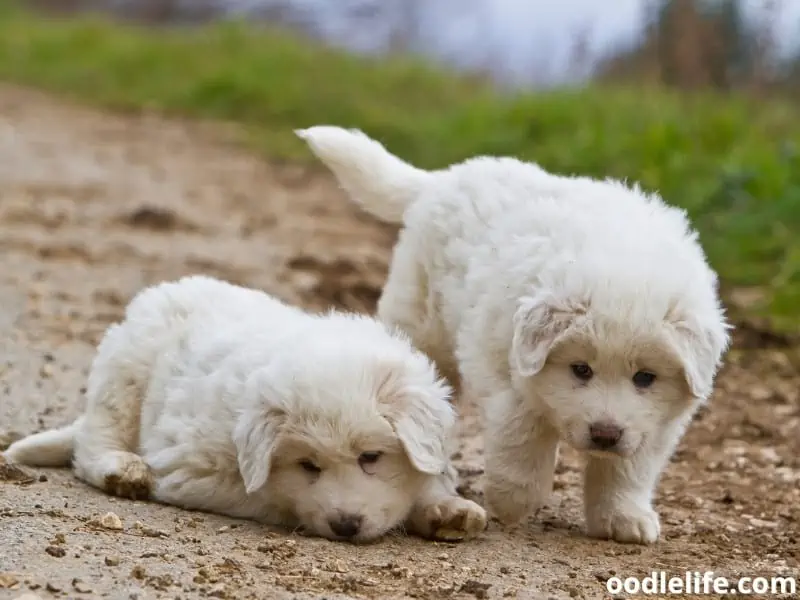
(507, 276)
(210, 396)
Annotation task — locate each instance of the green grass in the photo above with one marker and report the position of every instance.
(733, 164)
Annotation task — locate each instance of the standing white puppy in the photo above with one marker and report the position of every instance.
(215, 397)
(573, 309)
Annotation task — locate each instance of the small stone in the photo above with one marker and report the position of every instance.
(7, 580)
(735, 450)
(769, 456)
(476, 588)
(403, 572)
(150, 532)
(138, 572)
(762, 524)
(112, 561)
(111, 521)
(760, 393)
(56, 551)
(80, 587)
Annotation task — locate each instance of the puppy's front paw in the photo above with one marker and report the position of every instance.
(132, 480)
(508, 502)
(631, 524)
(453, 519)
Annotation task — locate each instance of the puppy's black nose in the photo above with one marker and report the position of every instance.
(605, 435)
(346, 526)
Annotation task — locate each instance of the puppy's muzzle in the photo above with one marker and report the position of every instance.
(346, 526)
(605, 435)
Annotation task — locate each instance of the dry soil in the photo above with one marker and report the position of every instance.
(94, 206)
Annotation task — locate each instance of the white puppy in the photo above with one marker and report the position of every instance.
(219, 398)
(573, 309)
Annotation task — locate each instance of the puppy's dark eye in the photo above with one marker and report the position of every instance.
(369, 458)
(309, 466)
(643, 379)
(582, 371)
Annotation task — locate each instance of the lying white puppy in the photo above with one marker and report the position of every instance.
(573, 309)
(214, 397)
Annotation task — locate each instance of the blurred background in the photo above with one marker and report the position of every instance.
(688, 43)
(695, 98)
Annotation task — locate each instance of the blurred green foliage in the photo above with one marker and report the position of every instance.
(733, 163)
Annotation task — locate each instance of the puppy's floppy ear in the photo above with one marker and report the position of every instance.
(700, 346)
(422, 417)
(256, 437)
(257, 431)
(538, 324)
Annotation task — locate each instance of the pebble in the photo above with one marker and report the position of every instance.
(149, 531)
(111, 520)
(760, 393)
(138, 572)
(218, 591)
(80, 587)
(769, 456)
(735, 450)
(340, 567)
(56, 551)
(762, 524)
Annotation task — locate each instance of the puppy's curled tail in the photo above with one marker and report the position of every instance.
(51, 448)
(381, 183)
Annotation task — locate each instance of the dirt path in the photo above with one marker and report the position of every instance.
(94, 206)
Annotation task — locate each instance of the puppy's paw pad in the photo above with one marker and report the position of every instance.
(633, 526)
(455, 519)
(134, 481)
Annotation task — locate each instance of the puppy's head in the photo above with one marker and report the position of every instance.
(344, 434)
(611, 372)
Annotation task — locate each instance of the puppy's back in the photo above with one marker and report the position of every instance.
(160, 320)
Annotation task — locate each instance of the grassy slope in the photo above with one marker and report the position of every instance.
(734, 165)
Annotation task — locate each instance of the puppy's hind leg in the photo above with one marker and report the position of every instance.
(406, 303)
(107, 439)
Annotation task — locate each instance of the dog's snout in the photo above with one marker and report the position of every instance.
(605, 435)
(346, 526)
